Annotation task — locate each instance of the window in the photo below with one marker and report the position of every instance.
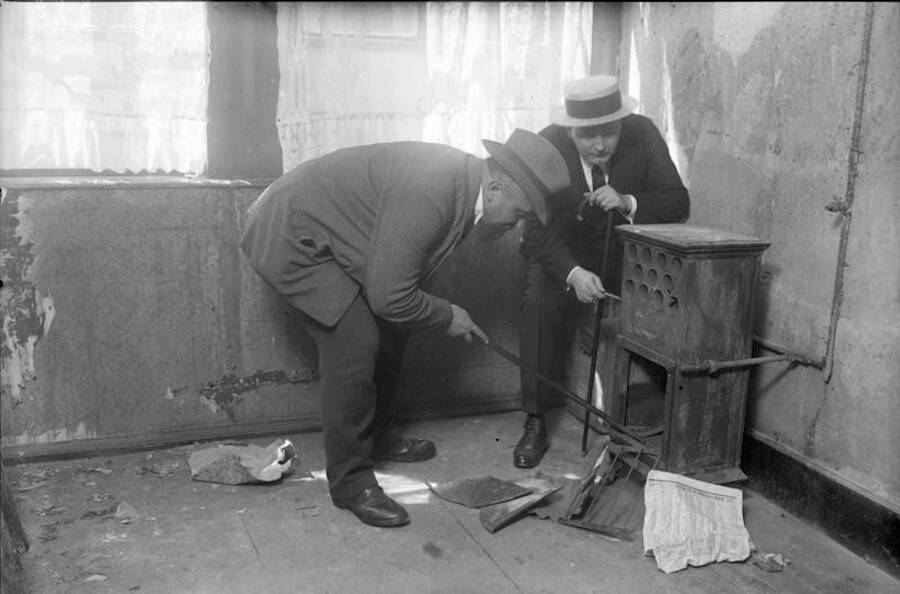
(104, 87)
(447, 72)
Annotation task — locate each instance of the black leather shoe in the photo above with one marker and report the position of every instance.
(533, 444)
(406, 450)
(375, 508)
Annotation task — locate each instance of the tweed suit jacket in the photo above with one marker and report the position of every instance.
(376, 219)
(642, 167)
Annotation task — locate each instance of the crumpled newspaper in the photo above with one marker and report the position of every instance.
(692, 522)
(236, 464)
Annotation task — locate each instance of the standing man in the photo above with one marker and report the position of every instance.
(621, 174)
(348, 238)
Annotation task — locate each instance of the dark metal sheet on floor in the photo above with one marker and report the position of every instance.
(555, 505)
(479, 492)
(497, 516)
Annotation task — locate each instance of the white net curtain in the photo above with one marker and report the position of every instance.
(448, 72)
(104, 86)
(122, 86)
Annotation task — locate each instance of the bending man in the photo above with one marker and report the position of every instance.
(347, 239)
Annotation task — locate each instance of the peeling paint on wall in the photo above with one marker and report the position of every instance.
(27, 323)
(28, 313)
(24, 228)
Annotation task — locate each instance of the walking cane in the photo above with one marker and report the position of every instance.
(595, 344)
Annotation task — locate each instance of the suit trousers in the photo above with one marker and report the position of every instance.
(549, 316)
(359, 367)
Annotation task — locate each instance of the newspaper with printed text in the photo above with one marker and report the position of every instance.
(692, 522)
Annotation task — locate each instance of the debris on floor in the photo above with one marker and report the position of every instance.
(160, 468)
(126, 513)
(104, 468)
(35, 478)
(769, 562)
(98, 513)
(692, 522)
(237, 464)
(478, 492)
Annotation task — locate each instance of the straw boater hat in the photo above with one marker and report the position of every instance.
(592, 101)
(534, 164)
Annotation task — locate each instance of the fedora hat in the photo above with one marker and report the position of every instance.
(534, 164)
(592, 101)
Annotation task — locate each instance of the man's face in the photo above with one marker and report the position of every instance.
(596, 144)
(504, 206)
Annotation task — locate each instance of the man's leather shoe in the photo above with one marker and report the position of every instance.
(533, 444)
(402, 449)
(375, 508)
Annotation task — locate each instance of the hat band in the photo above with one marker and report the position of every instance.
(594, 108)
(524, 168)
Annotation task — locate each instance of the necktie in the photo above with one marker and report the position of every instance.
(598, 178)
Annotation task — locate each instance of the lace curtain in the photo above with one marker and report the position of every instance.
(123, 86)
(104, 86)
(448, 72)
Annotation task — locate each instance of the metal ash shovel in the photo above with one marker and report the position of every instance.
(595, 504)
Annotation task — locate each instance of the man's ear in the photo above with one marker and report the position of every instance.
(495, 186)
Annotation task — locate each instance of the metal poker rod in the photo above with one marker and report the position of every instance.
(598, 322)
(638, 440)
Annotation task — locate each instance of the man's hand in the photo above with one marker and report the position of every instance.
(462, 325)
(607, 198)
(587, 285)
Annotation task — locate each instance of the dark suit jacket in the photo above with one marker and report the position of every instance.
(378, 219)
(642, 167)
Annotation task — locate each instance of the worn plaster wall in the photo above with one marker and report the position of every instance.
(758, 103)
(123, 316)
(130, 318)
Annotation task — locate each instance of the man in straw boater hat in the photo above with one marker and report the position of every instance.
(621, 173)
(347, 238)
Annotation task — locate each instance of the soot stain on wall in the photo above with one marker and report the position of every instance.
(225, 394)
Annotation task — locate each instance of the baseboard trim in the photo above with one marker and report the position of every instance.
(821, 469)
(857, 521)
(107, 446)
(124, 444)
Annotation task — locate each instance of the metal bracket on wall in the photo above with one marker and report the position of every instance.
(712, 366)
(818, 363)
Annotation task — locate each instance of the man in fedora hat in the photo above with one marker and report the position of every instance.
(347, 239)
(621, 173)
